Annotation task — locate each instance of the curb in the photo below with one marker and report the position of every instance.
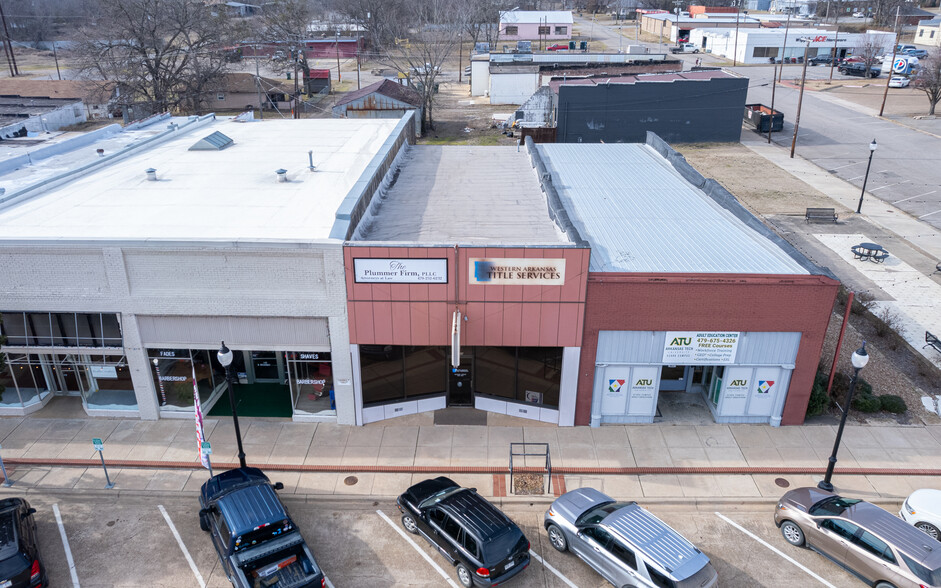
(604, 471)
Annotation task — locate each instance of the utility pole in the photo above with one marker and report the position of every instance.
(15, 71)
(358, 86)
(735, 50)
(895, 47)
(460, 56)
(296, 109)
(787, 27)
(800, 97)
(261, 106)
(773, 86)
(338, 55)
(55, 56)
(836, 37)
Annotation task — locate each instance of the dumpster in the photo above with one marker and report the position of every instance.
(760, 117)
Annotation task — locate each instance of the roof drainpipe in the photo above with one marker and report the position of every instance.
(282, 175)
(152, 174)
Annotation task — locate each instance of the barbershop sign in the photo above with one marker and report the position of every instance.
(704, 348)
(400, 271)
(507, 271)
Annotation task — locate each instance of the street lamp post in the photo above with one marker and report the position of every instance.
(859, 359)
(872, 149)
(225, 358)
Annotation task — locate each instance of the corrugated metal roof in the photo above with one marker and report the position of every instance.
(641, 215)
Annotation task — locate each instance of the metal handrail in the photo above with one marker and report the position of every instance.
(526, 453)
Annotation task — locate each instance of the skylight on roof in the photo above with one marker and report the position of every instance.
(214, 142)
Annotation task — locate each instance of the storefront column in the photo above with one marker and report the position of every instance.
(139, 365)
(342, 369)
(568, 389)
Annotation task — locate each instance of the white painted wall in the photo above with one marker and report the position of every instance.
(512, 88)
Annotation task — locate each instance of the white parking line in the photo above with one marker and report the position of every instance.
(417, 548)
(327, 580)
(65, 544)
(552, 569)
(929, 214)
(910, 197)
(847, 165)
(890, 185)
(774, 549)
(179, 540)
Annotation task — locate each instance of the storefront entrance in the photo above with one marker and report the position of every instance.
(461, 381)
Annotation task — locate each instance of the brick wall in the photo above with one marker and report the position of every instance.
(664, 302)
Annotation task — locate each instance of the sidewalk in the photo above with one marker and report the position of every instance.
(654, 461)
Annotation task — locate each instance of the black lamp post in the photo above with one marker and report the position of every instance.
(859, 359)
(225, 358)
(872, 149)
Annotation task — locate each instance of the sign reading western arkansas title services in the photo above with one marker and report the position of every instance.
(507, 271)
(709, 348)
(400, 271)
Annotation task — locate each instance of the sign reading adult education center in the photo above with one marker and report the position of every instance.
(690, 347)
(400, 271)
(506, 271)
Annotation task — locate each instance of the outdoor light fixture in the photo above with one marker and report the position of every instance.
(859, 360)
(872, 149)
(225, 359)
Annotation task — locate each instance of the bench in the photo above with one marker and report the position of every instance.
(880, 257)
(932, 341)
(827, 215)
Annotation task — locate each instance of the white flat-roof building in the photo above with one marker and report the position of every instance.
(763, 45)
(124, 271)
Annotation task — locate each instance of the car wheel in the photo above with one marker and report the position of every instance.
(884, 585)
(464, 576)
(929, 529)
(409, 523)
(204, 523)
(557, 538)
(793, 534)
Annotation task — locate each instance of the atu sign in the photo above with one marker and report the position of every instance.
(400, 271)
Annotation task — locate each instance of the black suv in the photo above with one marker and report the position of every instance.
(485, 545)
(859, 69)
(822, 60)
(19, 555)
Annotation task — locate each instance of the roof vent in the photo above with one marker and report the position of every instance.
(152, 174)
(282, 175)
(214, 142)
(100, 152)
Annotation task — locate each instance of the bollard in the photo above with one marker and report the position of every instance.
(99, 447)
(7, 482)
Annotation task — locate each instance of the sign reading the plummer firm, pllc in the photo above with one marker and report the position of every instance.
(706, 348)
(507, 271)
(400, 271)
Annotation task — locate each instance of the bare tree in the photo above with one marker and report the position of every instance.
(929, 78)
(288, 22)
(381, 19)
(483, 19)
(870, 48)
(165, 54)
(37, 21)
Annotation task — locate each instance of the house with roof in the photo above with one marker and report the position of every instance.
(534, 25)
(96, 96)
(383, 99)
(239, 91)
(929, 33)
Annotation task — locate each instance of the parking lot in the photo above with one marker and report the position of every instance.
(125, 540)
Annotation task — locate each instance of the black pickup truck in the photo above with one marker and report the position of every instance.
(256, 540)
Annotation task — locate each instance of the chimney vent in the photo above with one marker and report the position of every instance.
(152, 174)
(100, 151)
(282, 175)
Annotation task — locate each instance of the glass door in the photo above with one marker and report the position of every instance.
(460, 380)
(70, 376)
(673, 378)
(266, 366)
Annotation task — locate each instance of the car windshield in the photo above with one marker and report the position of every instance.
(597, 514)
(833, 505)
(438, 497)
(930, 577)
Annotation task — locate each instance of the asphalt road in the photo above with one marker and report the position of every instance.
(906, 166)
(125, 540)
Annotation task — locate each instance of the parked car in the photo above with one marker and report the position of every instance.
(899, 82)
(859, 69)
(624, 543)
(558, 47)
(255, 538)
(922, 509)
(919, 53)
(685, 48)
(873, 544)
(20, 566)
(822, 60)
(485, 546)
(859, 15)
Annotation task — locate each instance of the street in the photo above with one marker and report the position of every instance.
(835, 134)
(125, 540)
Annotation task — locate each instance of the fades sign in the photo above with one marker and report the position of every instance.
(704, 348)
(508, 271)
(400, 271)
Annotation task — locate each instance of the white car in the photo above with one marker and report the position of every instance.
(899, 82)
(859, 15)
(923, 510)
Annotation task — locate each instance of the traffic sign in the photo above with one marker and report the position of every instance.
(207, 448)
(98, 444)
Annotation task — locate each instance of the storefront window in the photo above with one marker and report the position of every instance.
(61, 329)
(495, 373)
(425, 371)
(521, 374)
(173, 376)
(311, 378)
(109, 384)
(393, 373)
(25, 381)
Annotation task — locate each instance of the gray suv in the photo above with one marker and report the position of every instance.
(625, 543)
